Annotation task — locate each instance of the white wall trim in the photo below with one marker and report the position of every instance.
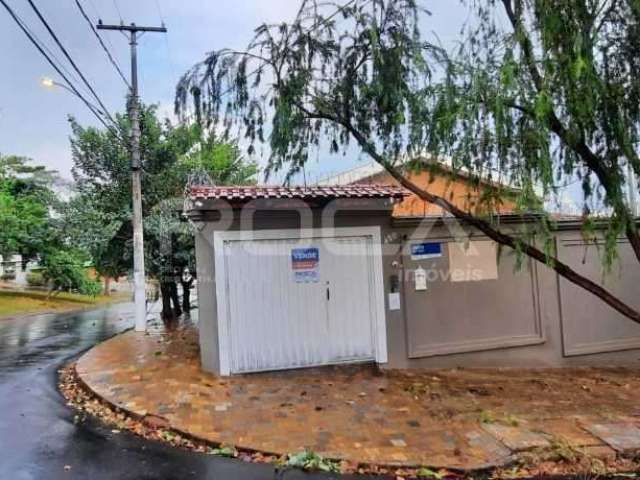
(379, 323)
(470, 346)
(221, 292)
(605, 346)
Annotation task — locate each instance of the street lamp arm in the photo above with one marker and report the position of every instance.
(49, 83)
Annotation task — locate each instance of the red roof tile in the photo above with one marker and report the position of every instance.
(322, 192)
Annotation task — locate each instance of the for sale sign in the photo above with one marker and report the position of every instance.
(305, 264)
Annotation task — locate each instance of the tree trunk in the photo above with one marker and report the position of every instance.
(175, 298)
(186, 297)
(633, 236)
(165, 292)
(107, 286)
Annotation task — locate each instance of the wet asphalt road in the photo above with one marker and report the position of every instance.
(38, 437)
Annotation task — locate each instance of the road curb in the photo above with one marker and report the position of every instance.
(367, 466)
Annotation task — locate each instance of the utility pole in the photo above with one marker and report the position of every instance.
(139, 295)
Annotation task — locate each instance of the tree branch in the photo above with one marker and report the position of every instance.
(485, 227)
(578, 145)
(521, 108)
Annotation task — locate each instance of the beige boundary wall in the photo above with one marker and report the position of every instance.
(527, 317)
(483, 312)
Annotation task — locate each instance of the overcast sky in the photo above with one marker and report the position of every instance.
(33, 119)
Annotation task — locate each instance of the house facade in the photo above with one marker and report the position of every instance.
(299, 277)
(457, 186)
(12, 271)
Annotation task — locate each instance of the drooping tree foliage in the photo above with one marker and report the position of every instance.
(99, 218)
(549, 95)
(548, 90)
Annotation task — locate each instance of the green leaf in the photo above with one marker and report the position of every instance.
(309, 460)
(224, 451)
(425, 472)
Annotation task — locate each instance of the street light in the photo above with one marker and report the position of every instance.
(48, 82)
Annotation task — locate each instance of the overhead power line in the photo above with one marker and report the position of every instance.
(172, 63)
(71, 61)
(99, 16)
(102, 44)
(70, 74)
(31, 38)
(115, 4)
(159, 11)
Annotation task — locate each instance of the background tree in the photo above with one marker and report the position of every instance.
(97, 231)
(170, 154)
(29, 211)
(26, 204)
(362, 73)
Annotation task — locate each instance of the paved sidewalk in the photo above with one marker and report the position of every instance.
(456, 419)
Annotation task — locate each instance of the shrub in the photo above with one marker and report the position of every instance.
(90, 287)
(35, 279)
(64, 270)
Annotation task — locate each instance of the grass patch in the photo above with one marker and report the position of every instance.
(507, 419)
(18, 303)
(487, 417)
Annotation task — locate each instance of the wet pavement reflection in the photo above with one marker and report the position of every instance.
(38, 436)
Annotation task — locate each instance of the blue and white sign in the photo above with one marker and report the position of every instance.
(305, 264)
(422, 251)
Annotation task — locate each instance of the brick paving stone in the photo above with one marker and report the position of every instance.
(517, 438)
(398, 442)
(623, 437)
(355, 413)
(568, 430)
(493, 452)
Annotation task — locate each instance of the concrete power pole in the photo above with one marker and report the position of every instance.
(136, 189)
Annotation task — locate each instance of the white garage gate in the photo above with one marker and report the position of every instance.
(299, 298)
